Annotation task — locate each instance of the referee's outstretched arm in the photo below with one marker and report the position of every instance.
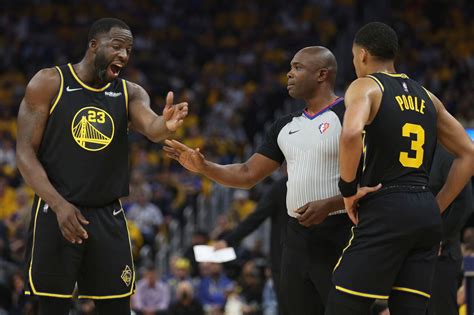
(239, 175)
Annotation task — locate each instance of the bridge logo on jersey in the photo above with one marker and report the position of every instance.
(323, 127)
(92, 128)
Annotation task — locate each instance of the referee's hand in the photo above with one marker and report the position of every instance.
(350, 203)
(70, 221)
(313, 212)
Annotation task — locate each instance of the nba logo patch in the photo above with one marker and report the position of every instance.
(323, 127)
(405, 87)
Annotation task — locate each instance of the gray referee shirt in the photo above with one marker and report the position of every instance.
(310, 146)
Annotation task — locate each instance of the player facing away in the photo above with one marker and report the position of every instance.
(72, 150)
(308, 141)
(394, 245)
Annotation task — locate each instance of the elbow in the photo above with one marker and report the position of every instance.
(19, 160)
(350, 136)
(249, 185)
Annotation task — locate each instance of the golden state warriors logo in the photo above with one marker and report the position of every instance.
(127, 275)
(92, 128)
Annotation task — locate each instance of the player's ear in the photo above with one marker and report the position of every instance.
(93, 44)
(364, 55)
(322, 74)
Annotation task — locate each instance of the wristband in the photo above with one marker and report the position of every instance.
(347, 189)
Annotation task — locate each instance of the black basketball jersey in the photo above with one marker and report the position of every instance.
(400, 141)
(85, 144)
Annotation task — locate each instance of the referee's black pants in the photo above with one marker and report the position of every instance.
(308, 259)
(446, 282)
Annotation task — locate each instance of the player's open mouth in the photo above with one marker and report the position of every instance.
(115, 70)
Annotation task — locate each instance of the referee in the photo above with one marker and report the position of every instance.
(309, 142)
(448, 266)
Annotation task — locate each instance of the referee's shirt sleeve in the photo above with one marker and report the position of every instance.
(269, 147)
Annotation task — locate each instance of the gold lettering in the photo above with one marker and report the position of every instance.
(410, 102)
(400, 102)
(405, 102)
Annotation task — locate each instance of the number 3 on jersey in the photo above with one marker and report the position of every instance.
(416, 145)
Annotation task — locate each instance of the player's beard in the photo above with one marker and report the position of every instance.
(101, 65)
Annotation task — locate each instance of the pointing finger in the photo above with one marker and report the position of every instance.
(169, 99)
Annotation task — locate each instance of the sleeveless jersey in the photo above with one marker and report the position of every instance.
(400, 141)
(85, 144)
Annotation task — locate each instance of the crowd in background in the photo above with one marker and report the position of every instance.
(229, 61)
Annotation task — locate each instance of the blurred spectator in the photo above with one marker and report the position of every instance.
(185, 303)
(152, 296)
(8, 204)
(242, 205)
(252, 289)
(180, 271)
(146, 215)
(18, 298)
(269, 302)
(213, 288)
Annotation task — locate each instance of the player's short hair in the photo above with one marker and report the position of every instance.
(379, 39)
(104, 26)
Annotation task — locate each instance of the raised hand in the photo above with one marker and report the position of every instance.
(350, 203)
(189, 158)
(174, 114)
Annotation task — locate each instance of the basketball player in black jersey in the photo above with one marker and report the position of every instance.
(394, 245)
(72, 149)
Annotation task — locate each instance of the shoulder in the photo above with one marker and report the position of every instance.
(365, 83)
(135, 90)
(45, 79)
(280, 122)
(43, 87)
(363, 88)
(339, 108)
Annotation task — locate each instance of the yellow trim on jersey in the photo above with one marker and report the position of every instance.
(132, 284)
(85, 85)
(27, 293)
(396, 75)
(60, 93)
(107, 297)
(412, 291)
(376, 81)
(35, 292)
(427, 92)
(125, 93)
(345, 248)
(367, 295)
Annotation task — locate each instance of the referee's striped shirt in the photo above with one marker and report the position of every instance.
(310, 146)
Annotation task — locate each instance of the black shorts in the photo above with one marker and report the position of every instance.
(102, 266)
(393, 247)
(308, 259)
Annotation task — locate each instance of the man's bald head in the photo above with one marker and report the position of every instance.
(312, 68)
(320, 57)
